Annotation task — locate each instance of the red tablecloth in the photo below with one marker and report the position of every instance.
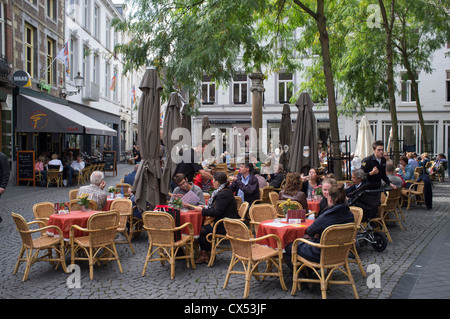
(107, 206)
(287, 232)
(314, 205)
(195, 218)
(66, 221)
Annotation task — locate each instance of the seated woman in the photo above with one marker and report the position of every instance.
(327, 183)
(337, 212)
(293, 190)
(406, 171)
(220, 205)
(311, 182)
(39, 166)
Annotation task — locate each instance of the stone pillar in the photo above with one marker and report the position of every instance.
(257, 89)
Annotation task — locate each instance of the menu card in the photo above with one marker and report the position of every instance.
(190, 198)
(296, 216)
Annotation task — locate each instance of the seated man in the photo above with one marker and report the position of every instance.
(95, 189)
(183, 187)
(78, 165)
(390, 173)
(369, 202)
(129, 178)
(277, 178)
(245, 184)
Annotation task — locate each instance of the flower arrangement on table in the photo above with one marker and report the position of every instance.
(83, 200)
(318, 190)
(288, 205)
(177, 201)
(112, 189)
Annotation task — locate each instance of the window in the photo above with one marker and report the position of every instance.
(86, 15)
(96, 21)
(29, 49)
(448, 86)
(107, 79)
(208, 90)
(285, 84)
(86, 64)
(108, 33)
(50, 58)
(73, 43)
(407, 91)
(240, 89)
(51, 9)
(96, 69)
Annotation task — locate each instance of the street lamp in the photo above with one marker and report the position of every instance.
(78, 84)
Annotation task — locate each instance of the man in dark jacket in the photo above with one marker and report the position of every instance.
(375, 166)
(369, 202)
(246, 184)
(277, 178)
(4, 174)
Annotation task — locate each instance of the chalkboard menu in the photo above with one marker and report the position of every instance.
(110, 161)
(25, 166)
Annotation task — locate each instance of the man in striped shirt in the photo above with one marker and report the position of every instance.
(95, 189)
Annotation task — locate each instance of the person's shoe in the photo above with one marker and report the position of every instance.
(203, 258)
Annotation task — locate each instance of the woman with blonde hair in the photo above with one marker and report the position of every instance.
(293, 190)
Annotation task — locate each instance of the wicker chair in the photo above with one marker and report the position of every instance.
(125, 187)
(73, 193)
(358, 215)
(246, 250)
(335, 244)
(259, 213)
(73, 205)
(264, 195)
(101, 229)
(273, 196)
(29, 245)
(238, 201)
(124, 206)
(391, 206)
(54, 176)
(216, 239)
(42, 211)
(161, 229)
(81, 176)
(414, 194)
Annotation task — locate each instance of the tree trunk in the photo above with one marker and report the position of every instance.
(390, 75)
(329, 81)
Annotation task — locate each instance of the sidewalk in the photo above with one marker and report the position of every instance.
(429, 276)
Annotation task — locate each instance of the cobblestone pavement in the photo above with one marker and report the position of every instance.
(44, 282)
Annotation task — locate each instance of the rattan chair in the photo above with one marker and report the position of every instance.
(264, 195)
(238, 201)
(335, 244)
(73, 205)
(101, 229)
(414, 194)
(259, 213)
(160, 227)
(124, 206)
(358, 215)
(73, 193)
(125, 187)
(42, 211)
(246, 250)
(273, 196)
(391, 206)
(32, 246)
(54, 176)
(81, 176)
(217, 239)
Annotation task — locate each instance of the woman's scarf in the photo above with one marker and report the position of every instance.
(214, 194)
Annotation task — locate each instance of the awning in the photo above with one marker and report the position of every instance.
(37, 115)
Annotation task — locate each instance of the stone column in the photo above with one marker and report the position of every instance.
(257, 89)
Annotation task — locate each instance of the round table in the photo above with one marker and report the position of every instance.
(67, 220)
(195, 218)
(286, 232)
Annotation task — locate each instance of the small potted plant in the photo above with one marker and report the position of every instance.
(83, 200)
(288, 205)
(177, 201)
(111, 190)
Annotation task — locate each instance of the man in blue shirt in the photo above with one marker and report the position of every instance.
(245, 184)
(129, 178)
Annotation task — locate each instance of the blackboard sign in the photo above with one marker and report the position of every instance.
(110, 161)
(25, 166)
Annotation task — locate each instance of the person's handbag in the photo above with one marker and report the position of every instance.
(175, 213)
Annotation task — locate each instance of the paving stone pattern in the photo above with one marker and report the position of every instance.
(44, 282)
